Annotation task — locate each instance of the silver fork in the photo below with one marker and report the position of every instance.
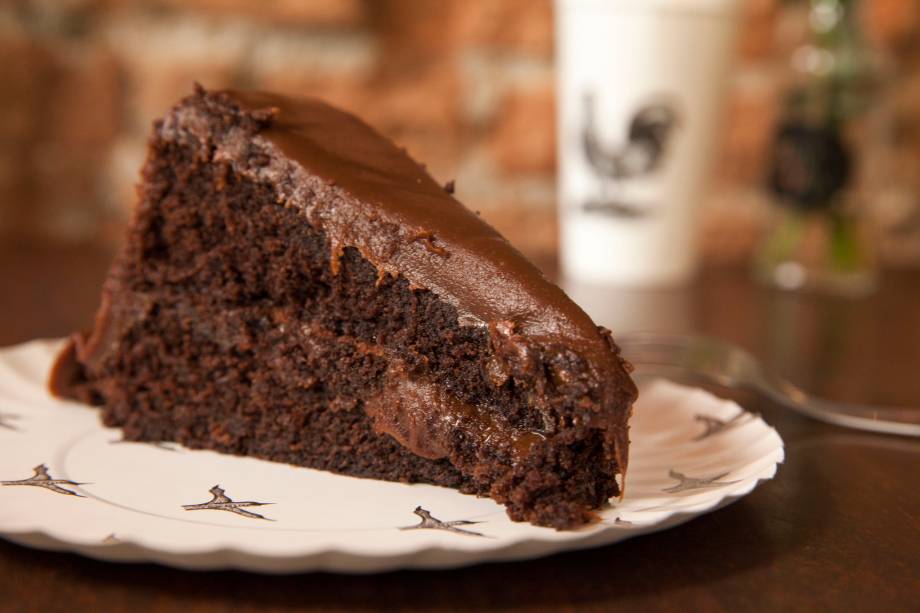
(719, 362)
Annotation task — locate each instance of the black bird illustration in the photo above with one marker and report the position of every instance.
(432, 523)
(641, 153)
(714, 425)
(222, 502)
(694, 483)
(41, 478)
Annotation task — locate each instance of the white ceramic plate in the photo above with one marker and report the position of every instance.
(70, 484)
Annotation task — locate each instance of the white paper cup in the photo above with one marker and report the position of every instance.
(640, 86)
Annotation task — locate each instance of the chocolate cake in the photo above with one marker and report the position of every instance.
(295, 287)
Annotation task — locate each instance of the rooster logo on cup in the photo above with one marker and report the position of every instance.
(641, 153)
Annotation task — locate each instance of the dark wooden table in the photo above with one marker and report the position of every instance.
(837, 529)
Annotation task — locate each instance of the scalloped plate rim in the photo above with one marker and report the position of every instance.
(336, 558)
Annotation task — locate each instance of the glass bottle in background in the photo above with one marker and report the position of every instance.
(820, 239)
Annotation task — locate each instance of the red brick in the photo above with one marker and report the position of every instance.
(791, 30)
(413, 35)
(894, 24)
(733, 223)
(756, 35)
(16, 189)
(21, 104)
(532, 231)
(426, 101)
(342, 90)
(156, 89)
(163, 56)
(422, 115)
(86, 101)
(324, 13)
(523, 26)
(24, 81)
(58, 123)
(750, 118)
(905, 124)
(523, 139)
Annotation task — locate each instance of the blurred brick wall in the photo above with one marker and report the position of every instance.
(466, 85)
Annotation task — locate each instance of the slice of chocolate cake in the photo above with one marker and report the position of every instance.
(294, 287)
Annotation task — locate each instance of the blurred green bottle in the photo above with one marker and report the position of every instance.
(819, 239)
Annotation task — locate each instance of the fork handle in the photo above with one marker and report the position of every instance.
(888, 420)
(719, 362)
